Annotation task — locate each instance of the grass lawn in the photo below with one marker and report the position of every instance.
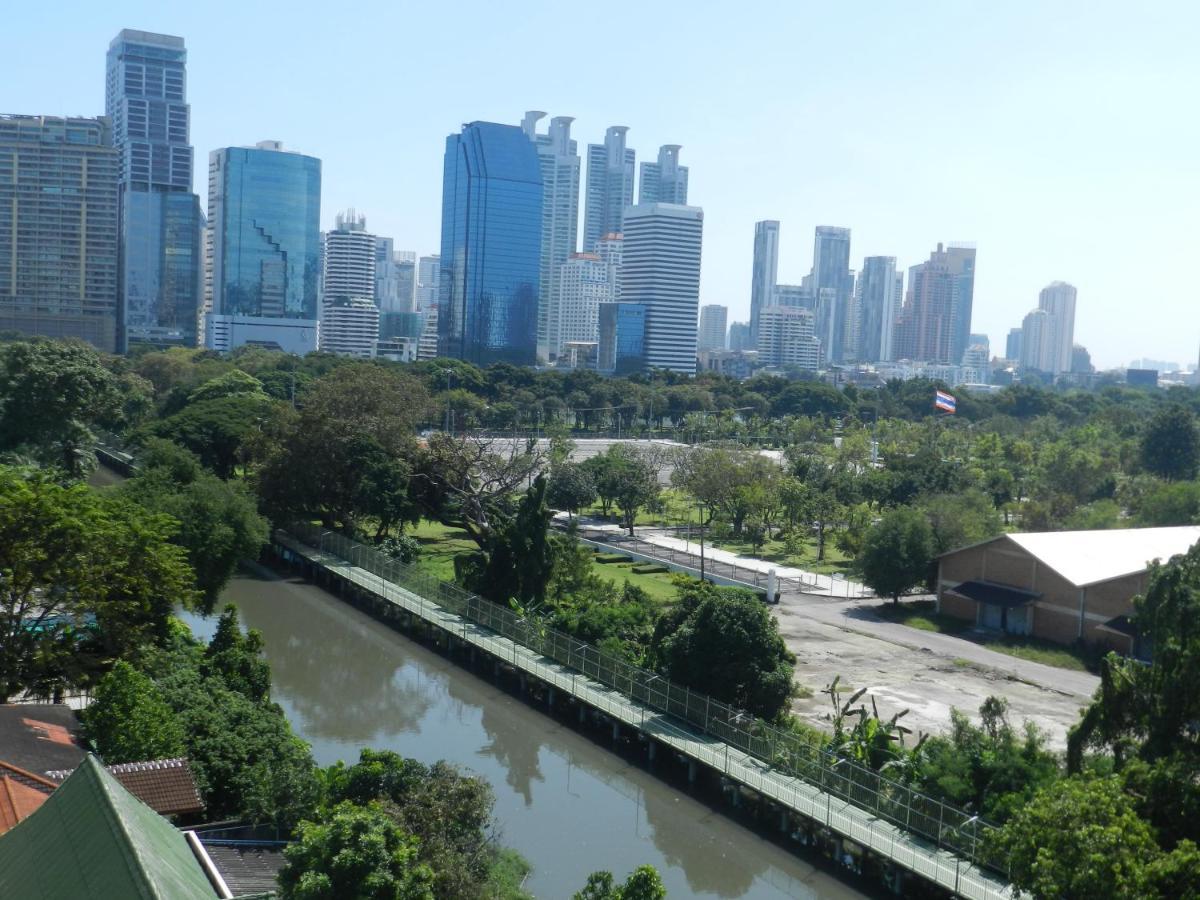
(920, 614)
(441, 543)
(835, 561)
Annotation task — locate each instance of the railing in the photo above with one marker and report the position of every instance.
(793, 754)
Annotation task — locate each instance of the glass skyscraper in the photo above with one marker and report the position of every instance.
(264, 210)
(609, 186)
(491, 246)
(161, 224)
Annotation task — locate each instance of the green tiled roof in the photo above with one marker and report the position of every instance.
(92, 838)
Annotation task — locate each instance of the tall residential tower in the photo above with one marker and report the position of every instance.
(765, 274)
(609, 186)
(665, 181)
(558, 158)
(161, 224)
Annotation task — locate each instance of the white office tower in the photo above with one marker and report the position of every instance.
(877, 308)
(429, 271)
(713, 318)
(766, 272)
(427, 344)
(395, 278)
(349, 258)
(660, 268)
(1058, 300)
(665, 181)
(584, 284)
(349, 326)
(609, 187)
(787, 337)
(558, 158)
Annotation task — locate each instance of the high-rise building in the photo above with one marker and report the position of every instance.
(491, 246)
(558, 158)
(427, 344)
(792, 295)
(264, 214)
(1058, 299)
(1012, 345)
(665, 181)
(609, 186)
(349, 325)
(429, 277)
(1081, 360)
(739, 336)
(660, 268)
(585, 281)
(765, 274)
(162, 229)
(787, 337)
(395, 278)
(878, 308)
(621, 345)
(349, 259)
(935, 323)
(712, 327)
(1037, 341)
(58, 228)
(833, 286)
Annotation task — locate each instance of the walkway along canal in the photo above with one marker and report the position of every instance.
(848, 811)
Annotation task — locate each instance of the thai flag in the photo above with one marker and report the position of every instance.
(943, 401)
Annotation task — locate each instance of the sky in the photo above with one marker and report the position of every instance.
(1060, 138)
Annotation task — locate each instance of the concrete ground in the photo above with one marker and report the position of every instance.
(926, 673)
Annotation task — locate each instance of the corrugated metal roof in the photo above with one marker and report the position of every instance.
(1088, 557)
(92, 838)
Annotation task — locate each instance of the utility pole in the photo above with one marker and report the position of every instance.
(449, 372)
(701, 510)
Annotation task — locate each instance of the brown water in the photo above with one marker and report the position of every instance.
(568, 804)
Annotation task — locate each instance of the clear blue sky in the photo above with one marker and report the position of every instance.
(1060, 137)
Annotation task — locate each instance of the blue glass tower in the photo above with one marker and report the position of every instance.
(264, 210)
(160, 220)
(491, 246)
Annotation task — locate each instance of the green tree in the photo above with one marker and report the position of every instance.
(220, 431)
(358, 854)
(959, 520)
(519, 558)
(1078, 839)
(52, 395)
(219, 522)
(1168, 503)
(624, 478)
(724, 642)
(897, 553)
(448, 812)
(643, 883)
(1170, 445)
(128, 719)
(84, 580)
(570, 487)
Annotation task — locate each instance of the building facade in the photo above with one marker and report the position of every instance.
(739, 337)
(491, 246)
(558, 158)
(935, 323)
(395, 278)
(59, 229)
(664, 181)
(585, 281)
(833, 285)
(661, 269)
(878, 308)
(713, 317)
(349, 326)
(609, 186)
(429, 277)
(348, 263)
(162, 229)
(621, 344)
(1058, 300)
(264, 212)
(764, 275)
(1012, 344)
(787, 337)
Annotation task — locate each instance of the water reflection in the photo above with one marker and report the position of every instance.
(566, 803)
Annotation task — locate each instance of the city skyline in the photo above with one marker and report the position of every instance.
(1067, 132)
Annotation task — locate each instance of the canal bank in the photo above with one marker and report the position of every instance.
(569, 801)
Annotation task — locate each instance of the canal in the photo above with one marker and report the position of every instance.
(565, 802)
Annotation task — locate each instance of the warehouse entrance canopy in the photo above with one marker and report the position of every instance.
(993, 594)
